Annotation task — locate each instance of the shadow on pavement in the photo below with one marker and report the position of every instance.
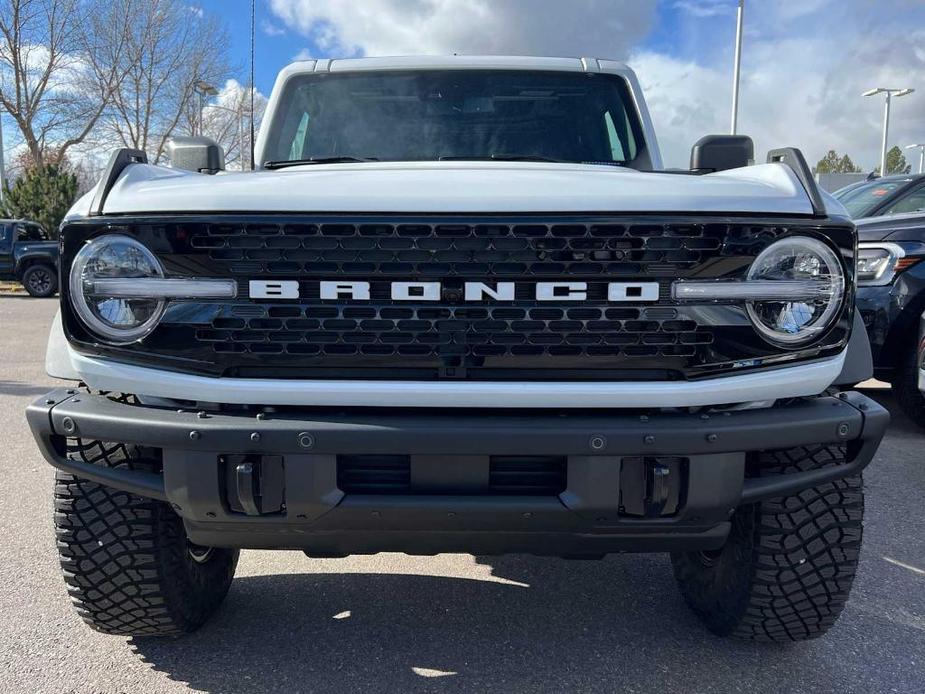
(901, 427)
(20, 388)
(534, 624)
(616, 624)
(23, 295)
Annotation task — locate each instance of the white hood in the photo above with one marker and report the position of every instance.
(466, 187)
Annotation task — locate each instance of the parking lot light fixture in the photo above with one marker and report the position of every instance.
(890, 93)
(203, 89)
(921, 147)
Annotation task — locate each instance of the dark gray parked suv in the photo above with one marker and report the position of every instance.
(27, 255)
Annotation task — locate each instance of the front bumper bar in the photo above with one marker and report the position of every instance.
(585, 518)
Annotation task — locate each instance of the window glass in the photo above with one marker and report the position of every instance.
(421, 115)
(616, 145)
(298, 142)
(31, 232)
(4, 233)
(861, 200)
(913, 202)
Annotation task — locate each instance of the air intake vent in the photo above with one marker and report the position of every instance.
(374, 474)
(527, 475)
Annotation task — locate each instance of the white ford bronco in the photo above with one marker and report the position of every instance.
(459, 306)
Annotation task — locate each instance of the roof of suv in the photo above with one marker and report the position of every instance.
(456, 62)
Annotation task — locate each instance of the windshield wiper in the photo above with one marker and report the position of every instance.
(508, 157)
(315, 160)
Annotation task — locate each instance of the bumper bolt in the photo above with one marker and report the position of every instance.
(49, 402)
(843, 429)
(255, 437)
(306, 440)
(648, 439)
(69, 425)
(598, 443)
(711, 438)
(201, 414)
(194, 435)
(261, 416)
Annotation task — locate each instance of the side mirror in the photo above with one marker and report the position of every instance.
(199, 154)
(721, 152)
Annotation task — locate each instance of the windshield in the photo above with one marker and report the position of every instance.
(429, 115)
(860, 200)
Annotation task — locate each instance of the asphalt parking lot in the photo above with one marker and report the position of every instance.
(449, 623)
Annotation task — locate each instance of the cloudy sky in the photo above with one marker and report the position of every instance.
(805, 62)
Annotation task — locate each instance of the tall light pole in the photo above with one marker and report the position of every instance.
(921, 148)
(203, 89)
(890, 93)
(2, 164)
(740, 19)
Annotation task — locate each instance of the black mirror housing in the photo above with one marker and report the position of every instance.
(200, 154)
(722, 152)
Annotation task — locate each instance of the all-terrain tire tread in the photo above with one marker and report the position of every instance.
(795, 560)
(124, 557)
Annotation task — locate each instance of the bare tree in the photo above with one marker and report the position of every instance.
(60, 63)
(171, 48)
(227, 121)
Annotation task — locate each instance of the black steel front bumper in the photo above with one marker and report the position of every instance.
(586, 518)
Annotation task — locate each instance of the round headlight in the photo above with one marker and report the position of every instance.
(810, 262)
(117, 320)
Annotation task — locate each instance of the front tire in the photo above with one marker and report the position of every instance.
(128, 565)
(787, 567)
(40, 281)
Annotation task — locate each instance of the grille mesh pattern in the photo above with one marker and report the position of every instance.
(445, 336)
(463, 331)
(462, 250)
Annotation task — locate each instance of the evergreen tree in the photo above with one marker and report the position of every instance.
(832, 163)
(896, 162)
(41, 194)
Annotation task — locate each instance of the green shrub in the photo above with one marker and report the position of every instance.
(42, 194)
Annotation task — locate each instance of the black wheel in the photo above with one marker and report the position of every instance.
(128, 565)
(787, 567)
(906, 387)
(40, 281)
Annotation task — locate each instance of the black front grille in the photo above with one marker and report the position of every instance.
(507, 475)
(441, 250)
(426, 331)
(529, 339)
(374, 474)
(529, 475)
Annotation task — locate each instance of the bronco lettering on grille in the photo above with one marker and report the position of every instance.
(472, 291)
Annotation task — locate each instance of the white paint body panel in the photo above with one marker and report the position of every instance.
(461, 187)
